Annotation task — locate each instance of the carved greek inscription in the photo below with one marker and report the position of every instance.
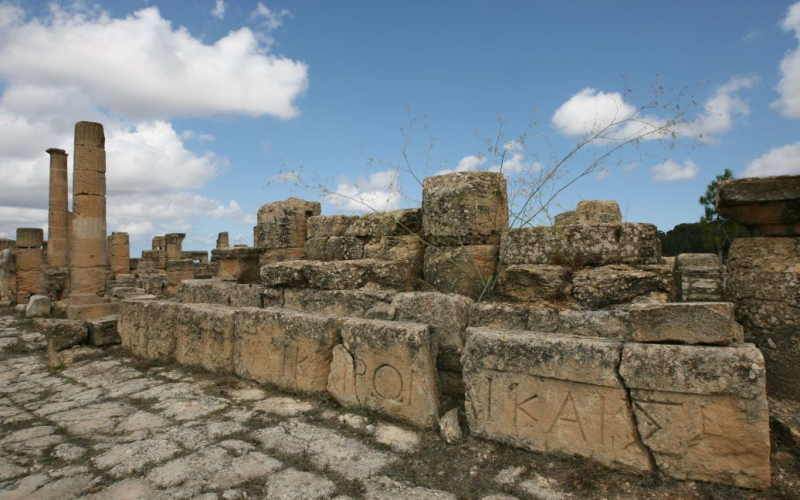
(568, 415)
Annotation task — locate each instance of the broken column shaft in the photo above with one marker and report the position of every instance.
(58, 216)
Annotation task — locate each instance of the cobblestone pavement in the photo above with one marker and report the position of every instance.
(109, 427)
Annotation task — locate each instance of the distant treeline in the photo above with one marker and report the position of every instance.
(695, 237)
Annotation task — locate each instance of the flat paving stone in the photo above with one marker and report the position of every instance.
(125, 459)
(292, 484)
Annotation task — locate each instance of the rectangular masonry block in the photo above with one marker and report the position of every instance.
(686, 322)
(448, 317)
(388, 367)
(551, 393)
(227, 293)
(325, 226)
(290, 349)
(339, 302)
(702, 411)
(340, 275)
(146, 328)
(283, 224)
(578, 245)
(204, 336)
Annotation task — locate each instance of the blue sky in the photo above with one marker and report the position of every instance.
(325, 86)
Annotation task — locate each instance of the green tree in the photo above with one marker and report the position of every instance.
(719, 231)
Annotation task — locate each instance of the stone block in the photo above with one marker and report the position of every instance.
(325, 226)
(283, 224)
(29, 237)
(103, 331)
(154, 284)
(499, 315)
(38, 306)
(273, 255)
(388, 367)
(178, 271)
(698, 277)
(62, 333)
(344, 248)
(147, 328)
(290, 349)
(531, 282)
(240, 264)
(339, 302)
(702, 411)
(608, 324)
(446, 314)
(607, 285)
(686, 322)
(316, 248)
(465, 270)
(340, 275)
(86, 312)
(409, 249)
(228, 293)
(464, 208)
(768, 206)
(580, 245)
(763, 276)
(551, 393)
(204, 336)
(599, 212)
(375, 225)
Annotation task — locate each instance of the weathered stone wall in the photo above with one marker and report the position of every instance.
(763, 274)
(29, 259)
(119, 254)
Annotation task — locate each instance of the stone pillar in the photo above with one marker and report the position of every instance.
(282, 229)
(174, 246)
(463, 216)
(222, 240)
(119, 254)
(29, 263)
(159, 246)
(58, 217)
(87, 250)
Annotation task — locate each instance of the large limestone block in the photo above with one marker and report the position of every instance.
(103, 331)
(465, 270)
(344, 248)
(28, 263)
(283, 224)
(599, 212)
(464, 208)
(374, 225)
(29, 237)
(227, 293)
(409, 249)
(205, 336)
(607, 285)
(764, 283)
(612, 324)
(340, 275)
(448, 317)
(62, 333)
(388, 367)
(325, 226)
(551, 393)
(241, 264)
(702, 411)
(768, 206)
(686, 322)
(177, 272)
(355, 303)
(530, 282)
(273, 255)
(290, 349)
(8, 286)
(147, 328)
(579, 245)
(500, 315)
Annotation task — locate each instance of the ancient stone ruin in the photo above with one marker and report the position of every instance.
(577, 338)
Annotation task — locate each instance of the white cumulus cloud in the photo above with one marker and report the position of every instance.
(592, 111)
(379, 191)
(784, 160)
(670, 171)
(142, 66)
(789, 85)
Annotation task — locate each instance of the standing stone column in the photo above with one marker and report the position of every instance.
(119, 254)
(29, 263)
(174, 244)
(223, 241)
(87, 253)
(58, 217)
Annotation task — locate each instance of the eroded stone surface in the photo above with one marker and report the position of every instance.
(551, 393)
(686, 322)
(389, 367)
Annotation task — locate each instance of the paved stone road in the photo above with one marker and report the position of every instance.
(109, 427)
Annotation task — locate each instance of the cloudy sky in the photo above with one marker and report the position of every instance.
(215, 107)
